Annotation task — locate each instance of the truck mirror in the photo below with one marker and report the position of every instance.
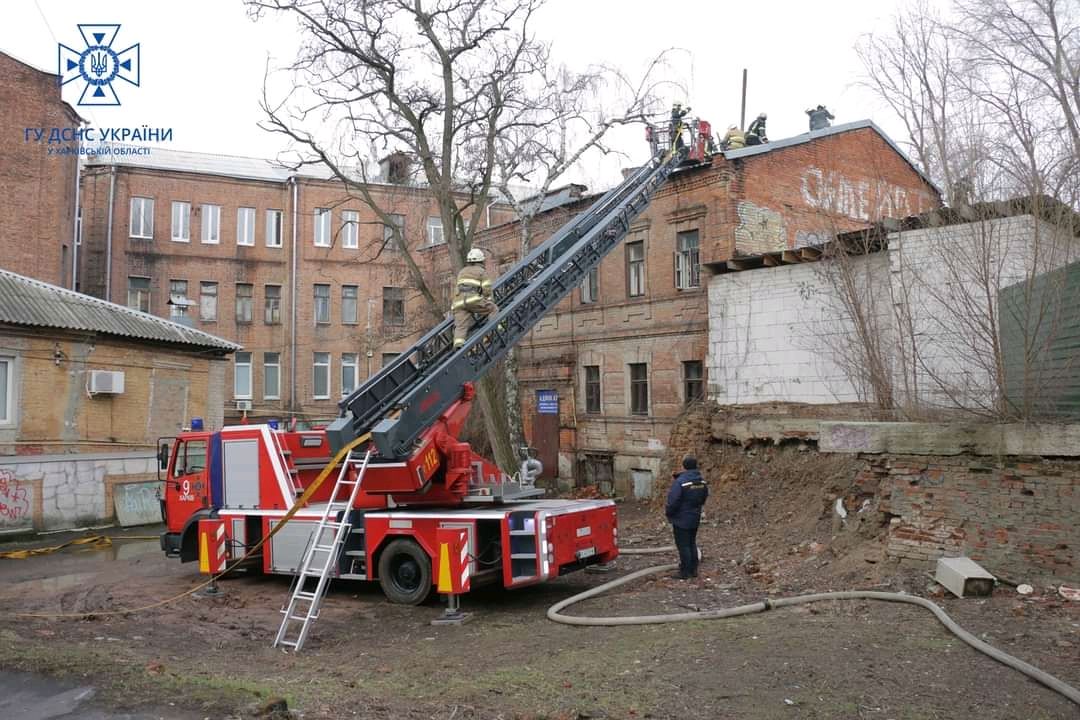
(163, 456)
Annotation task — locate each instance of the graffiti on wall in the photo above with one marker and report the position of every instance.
(860, 199)
(137, 504)
(15, 508)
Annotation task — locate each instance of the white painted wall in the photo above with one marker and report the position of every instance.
(778, 334)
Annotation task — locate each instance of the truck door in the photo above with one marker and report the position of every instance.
(188, 488)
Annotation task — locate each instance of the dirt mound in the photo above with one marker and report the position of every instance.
(772, 510)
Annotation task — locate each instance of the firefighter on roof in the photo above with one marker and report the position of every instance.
(472, 299)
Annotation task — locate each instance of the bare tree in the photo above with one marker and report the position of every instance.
(542, 144)
(446, 82)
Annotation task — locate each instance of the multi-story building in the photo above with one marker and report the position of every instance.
(303, 275)
(38, 200)
(626, 352)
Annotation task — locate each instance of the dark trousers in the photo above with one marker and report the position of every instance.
(686, 542)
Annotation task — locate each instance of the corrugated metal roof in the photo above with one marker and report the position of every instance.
(752, 150)
(24, 301)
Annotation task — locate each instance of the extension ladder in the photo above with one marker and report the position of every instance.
(320, 558)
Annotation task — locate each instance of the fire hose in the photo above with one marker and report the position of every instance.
(555, 613)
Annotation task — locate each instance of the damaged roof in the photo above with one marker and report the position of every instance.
(806, 137)
(32, 303)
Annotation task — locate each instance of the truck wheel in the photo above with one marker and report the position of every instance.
(405, 572)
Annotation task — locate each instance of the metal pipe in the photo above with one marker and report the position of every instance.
(742, 111)
(292, 291)
(108, 235)
(75, 229)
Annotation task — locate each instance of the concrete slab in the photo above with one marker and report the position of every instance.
(950, 439)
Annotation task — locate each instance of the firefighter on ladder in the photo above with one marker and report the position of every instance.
(472, 299)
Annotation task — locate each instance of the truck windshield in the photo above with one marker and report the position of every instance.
(190, 457)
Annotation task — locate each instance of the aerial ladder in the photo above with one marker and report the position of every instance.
(400, 402)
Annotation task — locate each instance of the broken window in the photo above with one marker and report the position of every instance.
(693, 381)
(590, 287)
(635, 269)
(393, 306)
(639, 389)
(208, 301)
(245, 298)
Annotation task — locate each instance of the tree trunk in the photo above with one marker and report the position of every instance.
(511, 395)
(495, 422)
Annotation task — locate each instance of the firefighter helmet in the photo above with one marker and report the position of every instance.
(476, 255)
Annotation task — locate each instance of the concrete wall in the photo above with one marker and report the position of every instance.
(776, 334)
(54, 492)
(783, 334)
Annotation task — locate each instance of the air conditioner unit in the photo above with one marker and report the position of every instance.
(243, 405)
(105, 382)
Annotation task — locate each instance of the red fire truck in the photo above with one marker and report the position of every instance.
(405, 485)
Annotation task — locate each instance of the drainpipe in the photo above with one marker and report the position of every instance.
(292, 292)
(75, 226)
(108, 235)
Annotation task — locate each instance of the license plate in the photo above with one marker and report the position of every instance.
(587, 552)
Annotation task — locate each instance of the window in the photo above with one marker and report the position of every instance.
(693, 381)
(273, 228)
(687, 268)
(635, 269)
(348, 304)
(244, 301)
(211, 224)
(592, 388)
(388, 358)
(181, 222)
(590, 288)
(272, 315)
(322, 304)
(139, 294)
(350, 229)
(435, 232)
(397, 221)
(142, 218)
(208, 301)
(245, 226)
(178, 299)
(190, 458)
(271, 376)
(320, 385)
(639, 389)
(350, 373)
(393, 306)
(242, 376)
(322, 227)
(7, 388)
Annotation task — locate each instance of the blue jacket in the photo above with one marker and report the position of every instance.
(688, 493)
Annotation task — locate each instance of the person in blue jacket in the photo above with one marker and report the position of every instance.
(687, 495)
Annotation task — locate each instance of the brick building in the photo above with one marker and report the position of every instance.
(288, 265)
(86, 390)
(627, 351)
(37, 191)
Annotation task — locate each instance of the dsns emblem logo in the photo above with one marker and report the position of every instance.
(98, 64)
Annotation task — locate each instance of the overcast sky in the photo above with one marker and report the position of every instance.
(203, 61)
